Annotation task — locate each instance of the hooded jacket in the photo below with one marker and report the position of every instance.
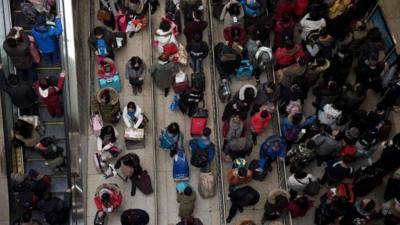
(186, 204)
(51, 95)
(239, 147)
(113, 190)
(241, 39)
(288, 75)
(258, 123)
(20, 54)
(298, 185)
(243, 89)
(22, 95)
(308, 25)
(162, 38)
(47, 38)
(244, 196)
(271, 198)
(107, 111)
(163, 73)
(138, 117)
(251, 8)
(264, 57)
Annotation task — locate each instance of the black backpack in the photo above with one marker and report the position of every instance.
(199, 157)
(258, 173)
(198, 81)
(366, 179)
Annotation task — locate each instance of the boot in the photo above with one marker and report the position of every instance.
(166, 91)
(172, 153)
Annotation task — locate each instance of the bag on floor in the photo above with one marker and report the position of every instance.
(206, 185)
(144, 183)
(345, 190)
(132, 134)
(175, 104)
(120, 40)
(97, 124)
(245, 71)
(198, 81)
(366, 180)
(259, 169)
(122, 23)
(180, 83)
(198, 122)
(180, 170)
(112, 82)
(100, 220)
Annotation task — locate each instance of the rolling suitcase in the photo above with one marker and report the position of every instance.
(206, 185)
(181, 82)
(198, 81)
(120, 40)
(245, 71)
(180, 171)
(112, 82)
(198, 122)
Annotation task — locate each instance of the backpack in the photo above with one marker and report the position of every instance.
(180, 171)
(292, 134)
(206, 185)
(199, 157)
(259, 169)
(29, 12)
(366, 179)
(101, 47)
(198, 81)
(167, 142)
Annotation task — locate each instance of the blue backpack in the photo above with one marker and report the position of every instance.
(167, 142)
(101, 47)
(180, 171)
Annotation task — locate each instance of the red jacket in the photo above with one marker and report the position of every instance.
(116, 200)
(279, 28)
(283, 6)
(296, 211)
(349, 150)
(241, 40)
(52, 97)
(301, 7)
(102, 73)
(286, 57)
(258, 123)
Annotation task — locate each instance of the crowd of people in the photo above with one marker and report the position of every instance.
(317, 45)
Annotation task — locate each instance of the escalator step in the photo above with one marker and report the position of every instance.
(29, 154)
(48, 72)
(45, 116)
(39, 166)
(58, 183)
(56, 130)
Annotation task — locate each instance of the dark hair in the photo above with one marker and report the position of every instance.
(163, 57)
(12, 42)
(26, 216)
(281, 202)
(13, 79)
(173, 128)
(23, 128)
(198, 14)
(106, 96)
(165, 26)
(264, 114)
(242, 171)
(249, 94)
(234, 9)
(347, 159)
(374, 34)
(98, 31)
(108, 130)
(297, 118)
(188, 191)
(131, 105)
(299, 174)
(206, 132)
(302, 202)
(106, 198)
(136, 60)
(44, 83)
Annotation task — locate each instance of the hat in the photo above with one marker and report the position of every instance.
(352, 133)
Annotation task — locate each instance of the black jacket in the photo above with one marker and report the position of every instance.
(245, 196)
(56, 210)
(229, 111)
(134, 216)
(197, 50)
(22, 96)
(227, 60)
(325, 96)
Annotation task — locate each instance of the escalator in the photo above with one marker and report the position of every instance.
(22, 160)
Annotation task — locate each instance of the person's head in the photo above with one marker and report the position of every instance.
(136, 62)
(165, 26)
(13, 79)
(234, 9)
(173, 128)
(197, 14)
(264, 114)
(249, 94)
(314, 13)
(26, 217)
(98, 32)
(242, 171)
(106, 199)
(286, 17)
(374, 34)
(11, 42)
(106, 97)
(131, 107)
(47, 196)
(302, 202)
(206, 132)
(188, 191)
(347, 159)
(163, 57)
(297, 118)
(299, 174)
(281, 202)
(236, 119)
(44, 83)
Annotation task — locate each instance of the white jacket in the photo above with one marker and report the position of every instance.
(329, 115)
(128, 122)
(299, 184)
(162, 38)
(308, 25)
(243, 88)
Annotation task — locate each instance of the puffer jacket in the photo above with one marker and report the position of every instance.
(20, 55)
(109, 111)
(162, 38)
(228, 18)
(113, 190)
(286, 57)
(258, 123)
(308, 25)
(298, 185)
(163, 73)
(22, 95)
(47, 38)
(329, 115)
(186, 204)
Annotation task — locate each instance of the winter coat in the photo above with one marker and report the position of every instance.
(227, 60)
(258, 123)
(108, 38)
(271, 198)
(235, 179)
(266, 150)
(137, 216)
(329, 115)
(286, 57)
(391, 95)
(197, 50)
(229, 111)
(240, 95)
(301, 7)
(51, 96)
(186, 204)
(326, 145)
(298, 185)
(281, 26)
(239, 147)
(108, 111)
(263, 97)
(162, 38)
(283, 6)
(137, 121)
(113, 190)
(204, 145)
(291, 131)
(386, 161)
(194, 27)
(163, 73)
(103, 73)
(251, 8)
(356, 215)
(228, 18)
(56, 211)
(325, 96)
(22, 95)
(132, 74)
(20, 55)
(47, 38)
(289, 75)
(308, 25)
(241, 40)
(338, 172)
(263, 58)
(244, 196)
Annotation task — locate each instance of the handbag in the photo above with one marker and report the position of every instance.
(134, 134)
(144, 183)
(103, 15)
(181, 56)
(312, 188)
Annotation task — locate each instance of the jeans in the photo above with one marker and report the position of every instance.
(51, 58)
(28, 75)
(196, 65)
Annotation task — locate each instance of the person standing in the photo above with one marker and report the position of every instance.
(51, 94)
(135, 71)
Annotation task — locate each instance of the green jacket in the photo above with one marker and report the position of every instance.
(186, 204)
(110, 112)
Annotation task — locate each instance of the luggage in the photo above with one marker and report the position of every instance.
(206, 185)
(97, 124)
(259, 169)
(122, 23)
(144, 183)
(134, 134)
(198, 81)
(245, 71)
(345, 190)
(170, 49)
(199, 157)
(29, 12)
(180, 83)
(198, 122)
(112, 82)
(366, 179)
(100, 220)
(120, 40)
(180, 171)
(224, 91)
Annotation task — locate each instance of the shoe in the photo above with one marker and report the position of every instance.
(134, 90)
(269, 167)
(228, 220)
(131, 34)
(166, 91)
(172, 153)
